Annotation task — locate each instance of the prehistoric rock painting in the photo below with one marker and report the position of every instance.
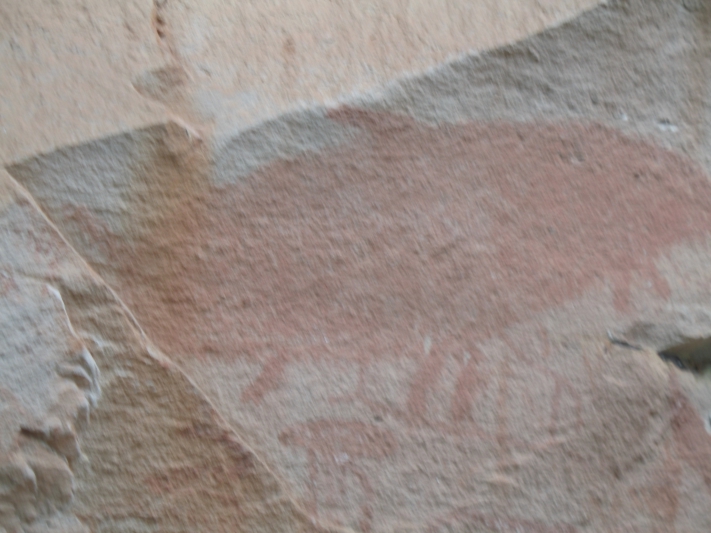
(372, 306)
(397, 315)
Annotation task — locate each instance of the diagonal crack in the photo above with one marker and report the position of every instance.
(64, 289)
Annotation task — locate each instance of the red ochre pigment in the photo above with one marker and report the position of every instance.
(410, 232)
(456, 232)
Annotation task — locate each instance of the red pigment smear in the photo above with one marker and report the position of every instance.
(453, 232)
(692, 441)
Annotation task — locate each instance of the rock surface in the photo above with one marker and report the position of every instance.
(147, 452)
(433, 306)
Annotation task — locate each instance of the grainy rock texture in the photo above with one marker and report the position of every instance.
(434, 305)
(149, 454)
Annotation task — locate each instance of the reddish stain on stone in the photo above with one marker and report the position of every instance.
(688, 444)
(413, 243)
(334, 449)
(455, 232)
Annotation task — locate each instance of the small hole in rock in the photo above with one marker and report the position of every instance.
(693, 355)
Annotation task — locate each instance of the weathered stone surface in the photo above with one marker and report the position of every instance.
(232, 64)
(151, 454)
(431, 307)
(74, 71)
(50, 384)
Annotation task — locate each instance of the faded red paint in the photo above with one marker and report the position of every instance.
(361, 253)
(457, 232)
(693, 443)
(334, 449)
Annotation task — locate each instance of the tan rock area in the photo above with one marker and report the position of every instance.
(74, 70)
(324, 266)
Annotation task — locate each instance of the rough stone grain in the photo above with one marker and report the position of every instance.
(433, 306)
(152, 453)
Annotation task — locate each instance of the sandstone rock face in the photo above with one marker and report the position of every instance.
(435, 305)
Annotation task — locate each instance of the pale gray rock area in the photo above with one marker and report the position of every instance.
(641, 66)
